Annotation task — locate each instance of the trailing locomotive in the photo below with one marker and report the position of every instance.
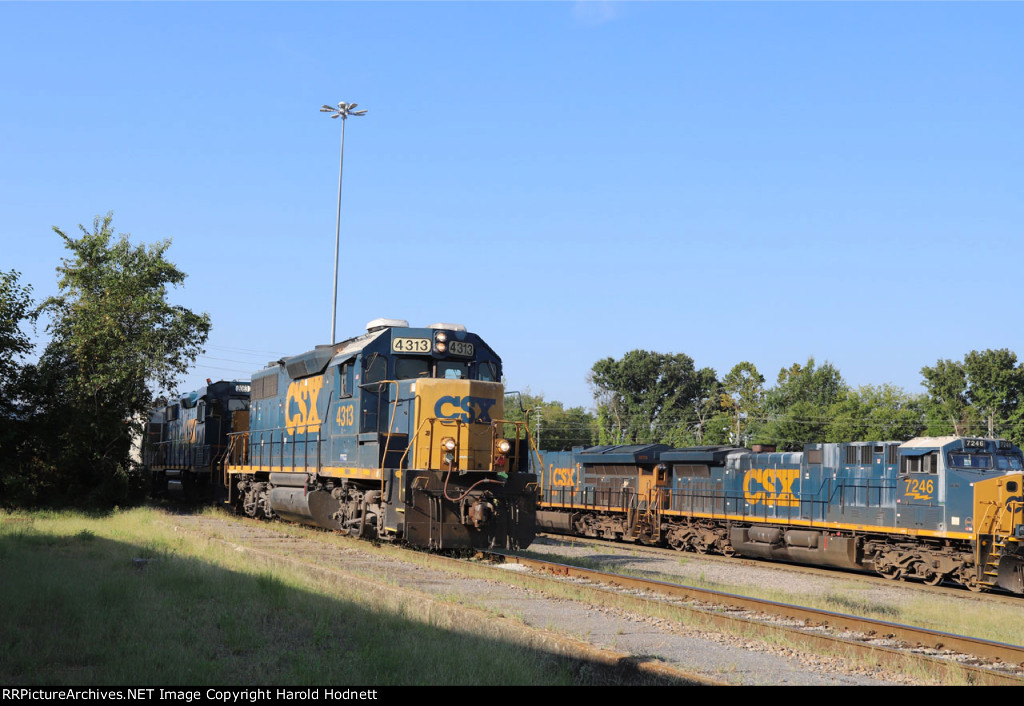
(187, 439)
(932, 509)
(394, 434)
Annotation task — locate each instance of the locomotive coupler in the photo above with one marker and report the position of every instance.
(480, 513)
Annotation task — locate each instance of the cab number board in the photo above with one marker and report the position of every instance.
(410, 345)
(461, 348)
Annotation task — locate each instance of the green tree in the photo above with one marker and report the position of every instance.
(646, 397)
(797, 408)
(554, 426)
(994, 387)
(15, 311)
(949, 411)
(116, 342)
(980, 395)
(876, 413)
(742, 401)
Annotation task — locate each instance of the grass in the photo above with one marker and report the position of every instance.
(123, 599)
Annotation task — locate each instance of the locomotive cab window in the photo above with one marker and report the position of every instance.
(376, 368)
(487, 371)
(975, 462)
(238, 405)
(452, 370)
(346, 380)
(411, 368)
(925, 463)
(1008, 462)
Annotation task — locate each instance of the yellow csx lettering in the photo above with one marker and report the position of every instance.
(771, 486)
(300, 412)
(190, 430)
(466, 409)
(562, 476)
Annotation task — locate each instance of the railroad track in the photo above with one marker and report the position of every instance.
(845, 575)
(861, 636)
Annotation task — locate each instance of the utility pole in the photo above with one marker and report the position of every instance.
(343, 111)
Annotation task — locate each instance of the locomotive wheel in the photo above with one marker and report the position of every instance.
(973, 585)
(934, 579)
(891, 573)
(701, 547)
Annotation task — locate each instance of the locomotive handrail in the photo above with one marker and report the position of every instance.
(270, 444)
(528, 438)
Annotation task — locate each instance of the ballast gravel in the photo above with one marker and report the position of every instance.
(714, 656)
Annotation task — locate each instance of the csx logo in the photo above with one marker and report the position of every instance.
(771, 486)
(300, 413)
(562, 476)
(466, 409)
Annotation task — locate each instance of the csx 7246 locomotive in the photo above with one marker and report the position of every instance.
(397, 433)
(933, 509)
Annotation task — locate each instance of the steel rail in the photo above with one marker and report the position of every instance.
(949, 590)
(811, 617)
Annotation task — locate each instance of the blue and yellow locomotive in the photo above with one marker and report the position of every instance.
(931, 509)
(187, 439)
(394, 434)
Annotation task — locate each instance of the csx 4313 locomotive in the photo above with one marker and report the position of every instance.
(394, 434)
(932, 509)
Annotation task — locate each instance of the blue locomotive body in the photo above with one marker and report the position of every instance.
(934, 509)
(187, 440)
(396, 433)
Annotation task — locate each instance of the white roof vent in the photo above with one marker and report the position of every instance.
(378, 324)
(448, 327)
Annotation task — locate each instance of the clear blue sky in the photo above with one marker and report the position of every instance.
(734, 181)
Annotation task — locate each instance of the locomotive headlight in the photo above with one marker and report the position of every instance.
(448, 444)
(440, 347)
(442, 336)
(502, 446)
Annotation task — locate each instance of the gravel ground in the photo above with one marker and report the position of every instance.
(714, 656)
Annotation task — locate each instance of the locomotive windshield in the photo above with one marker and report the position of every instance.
(410, 368)
(984, 462)
(452, 370)
(975, 462)
(1009, 462)
(406, 368)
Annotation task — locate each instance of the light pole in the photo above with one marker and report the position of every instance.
(342, 111)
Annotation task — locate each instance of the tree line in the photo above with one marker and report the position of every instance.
(68, 420)
(646, 397)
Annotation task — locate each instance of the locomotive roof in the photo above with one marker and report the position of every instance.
(623, 454)
(715, 455)
(919, 441)
(316, 361)
(189, 399)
